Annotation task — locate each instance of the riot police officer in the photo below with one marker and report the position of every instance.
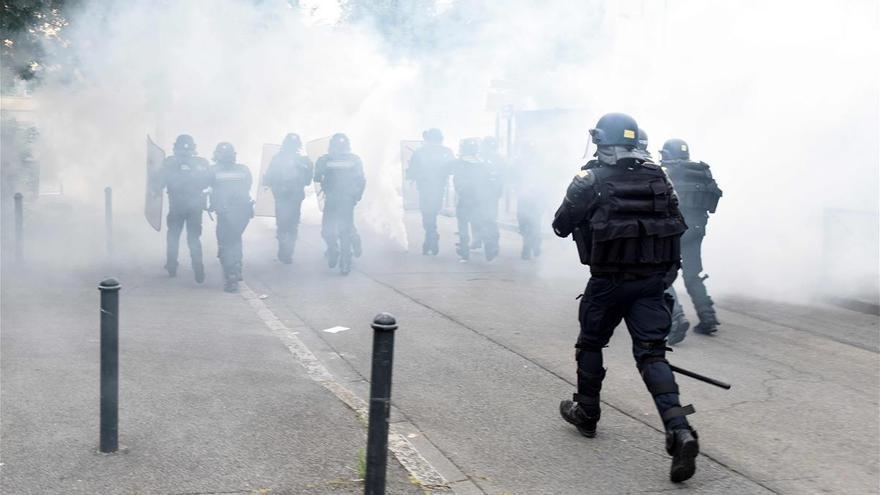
(288, 174)
(487, 237)
(698, 195)
(473, 182)
(680, 324)
(623, 214)
(429, 169)
(186, 176)
(341, 175)
(230, 198)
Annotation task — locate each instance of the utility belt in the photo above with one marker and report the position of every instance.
(626, 276)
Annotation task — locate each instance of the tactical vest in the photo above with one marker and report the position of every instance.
(342, 175)
(634, 227)
(231, 190)
(186, 179)
(693, 183)
(291, 174)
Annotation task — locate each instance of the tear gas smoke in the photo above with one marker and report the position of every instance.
(781, 98)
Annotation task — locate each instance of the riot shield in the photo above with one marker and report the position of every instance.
(408, 188)
(315, 149)
(265, 206)
(153, 199)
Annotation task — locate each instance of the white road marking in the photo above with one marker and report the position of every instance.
(336, 329)
(410, 458)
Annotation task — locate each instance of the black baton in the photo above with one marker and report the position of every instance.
(697, 376)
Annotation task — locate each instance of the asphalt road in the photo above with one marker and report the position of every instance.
(483, 355)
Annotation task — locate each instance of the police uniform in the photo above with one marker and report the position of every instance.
(186, 177)
(474, 190)
(698, 195)
(429, 167)
(341, 176)
(623, 213)
(288, 174)
(230, 198)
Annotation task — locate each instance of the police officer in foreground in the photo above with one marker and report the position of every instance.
(186, 176)
(680, 324)
(231, 199)
(288, 174)
(341, 175)
(623, 213)
(698, 195)
(429, 168)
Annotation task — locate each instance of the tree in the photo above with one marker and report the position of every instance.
(28, 30)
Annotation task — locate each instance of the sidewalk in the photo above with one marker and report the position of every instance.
(210, 400)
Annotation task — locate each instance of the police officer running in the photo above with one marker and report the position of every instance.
(698, 195)
(230, 198)
(186, 176)
(680, 324)
(429, 168)
(288, 174)
(341, 175)
(623, 214)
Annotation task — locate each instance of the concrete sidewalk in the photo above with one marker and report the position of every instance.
(210, 400)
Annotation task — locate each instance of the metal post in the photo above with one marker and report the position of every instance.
(19, 227)
(384, 326)
(108, 217)
(109, 365)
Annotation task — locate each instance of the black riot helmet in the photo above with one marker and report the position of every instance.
(643, 140)
(433, 136)
(184, 145)
(339, 143)
(675, 149)
(224, 154)
(616, 129)
(292, 142)
(469, 147)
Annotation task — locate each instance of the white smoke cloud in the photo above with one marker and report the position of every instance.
(780, 97)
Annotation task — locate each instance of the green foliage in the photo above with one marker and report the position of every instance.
(28, 30)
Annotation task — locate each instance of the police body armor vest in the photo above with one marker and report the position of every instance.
(231, 190)
(694, 185)
(634, 227)
(342, 176)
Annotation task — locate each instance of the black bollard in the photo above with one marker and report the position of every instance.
(108, 217)
(109, 365)
(19, 227)
(384, 326)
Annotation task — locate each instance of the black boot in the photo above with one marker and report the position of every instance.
(708, 322)
(231, 285)
(683, 446)
(199, 272)
(172, 270)
(574, 413)
(678, 331)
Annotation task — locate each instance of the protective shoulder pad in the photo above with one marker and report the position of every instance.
(590, 164)
(585, 178)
